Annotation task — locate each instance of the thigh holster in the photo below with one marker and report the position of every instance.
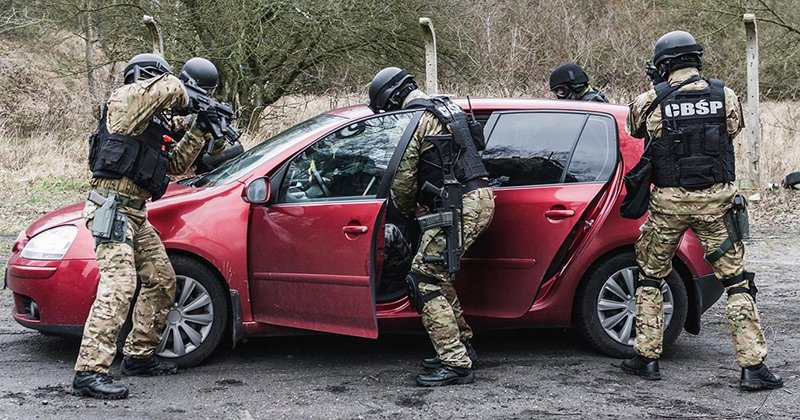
(417, 298)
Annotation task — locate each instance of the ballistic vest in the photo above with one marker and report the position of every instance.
(460, 147)
(144, 158)
(695, 150)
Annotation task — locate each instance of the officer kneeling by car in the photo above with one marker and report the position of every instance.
(131, 156)
(442, 158)
(689, 123)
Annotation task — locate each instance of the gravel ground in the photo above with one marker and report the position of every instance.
(521, 374)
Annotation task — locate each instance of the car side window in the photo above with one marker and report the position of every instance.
(595, 154)
(348, 163)
(547, 147)
(531, 148)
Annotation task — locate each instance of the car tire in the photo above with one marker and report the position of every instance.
(606, 319)
(207, 287)
(212, 303)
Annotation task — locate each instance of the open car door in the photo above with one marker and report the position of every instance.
(312, 249)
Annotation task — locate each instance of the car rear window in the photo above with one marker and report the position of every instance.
(546, 147)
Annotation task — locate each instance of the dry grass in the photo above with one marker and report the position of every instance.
(46, 116)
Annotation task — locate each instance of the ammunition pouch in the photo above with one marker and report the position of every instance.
(417, 299)
(737, 223)
(108, 224)
(751, 288)
(435, 220)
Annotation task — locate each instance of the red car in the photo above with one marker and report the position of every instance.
(289, 236)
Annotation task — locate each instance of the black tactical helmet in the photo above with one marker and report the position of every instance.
(675, 50)
(145, 66)
(567, 81)
(202, 71)
(388, 89)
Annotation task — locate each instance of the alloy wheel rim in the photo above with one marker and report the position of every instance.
(616, 306)
(189, 319)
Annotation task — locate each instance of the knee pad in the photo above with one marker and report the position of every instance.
(418, 299)
(751, 288)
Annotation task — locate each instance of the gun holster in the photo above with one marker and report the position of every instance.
(418, 299)
(108, 225)
(737, 223)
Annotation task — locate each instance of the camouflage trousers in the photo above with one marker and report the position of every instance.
(443, 316)
(144, 255)
(661, 234)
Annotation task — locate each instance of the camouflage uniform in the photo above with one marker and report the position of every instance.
(130, 110)
(672, 211)
(442, 316)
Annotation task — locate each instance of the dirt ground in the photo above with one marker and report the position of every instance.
(520, 375)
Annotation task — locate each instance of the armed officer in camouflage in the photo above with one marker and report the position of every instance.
(431, 287)
(689, 123)
(569, 81)
(204, 73)
(131, 156)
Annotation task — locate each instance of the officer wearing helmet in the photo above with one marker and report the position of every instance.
(688, 123)
(204, 74)
(131, 155)
(569, 81)
(430, 285)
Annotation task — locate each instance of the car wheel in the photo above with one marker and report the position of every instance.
(605, 306)
(197, 321)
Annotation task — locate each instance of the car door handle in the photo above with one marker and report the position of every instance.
(559, 214)
(354, 230)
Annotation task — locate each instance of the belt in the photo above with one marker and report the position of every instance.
(123, 200)
(474, 184)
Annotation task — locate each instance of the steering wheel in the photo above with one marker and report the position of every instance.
(318, 179)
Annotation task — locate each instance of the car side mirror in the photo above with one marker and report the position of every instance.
(257, 191)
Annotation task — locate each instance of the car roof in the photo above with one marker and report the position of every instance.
(488, 105)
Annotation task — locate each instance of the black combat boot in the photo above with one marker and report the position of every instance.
(642, 366)
(97, 385)
(434, 362)
(149, 366)
(759, 377)
(446, 375)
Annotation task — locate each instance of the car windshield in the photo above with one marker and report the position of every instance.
(240, 165)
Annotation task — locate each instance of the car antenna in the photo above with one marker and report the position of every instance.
(469, 104)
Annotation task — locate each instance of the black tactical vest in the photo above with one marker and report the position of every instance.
(144, 158)
(695, 150)
(462, 150)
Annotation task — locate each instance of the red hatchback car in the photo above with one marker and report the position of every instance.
(289, 236)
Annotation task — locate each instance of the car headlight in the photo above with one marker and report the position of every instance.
(51, 244)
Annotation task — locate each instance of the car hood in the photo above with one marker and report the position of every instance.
(71, 214)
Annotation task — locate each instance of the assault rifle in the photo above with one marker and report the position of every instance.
(448, 212)
(213, 117)
(652, 73)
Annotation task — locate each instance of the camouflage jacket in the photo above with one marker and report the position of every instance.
(675, 200)
(405, 185)
(130, 110)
